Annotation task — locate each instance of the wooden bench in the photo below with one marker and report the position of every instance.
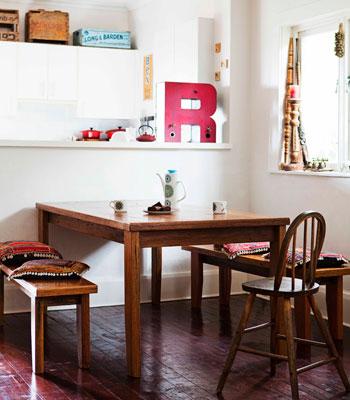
(332, 278)
(45, 293)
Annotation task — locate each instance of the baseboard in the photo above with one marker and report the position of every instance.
(175, 286)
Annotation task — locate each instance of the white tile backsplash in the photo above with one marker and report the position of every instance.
(52, 121)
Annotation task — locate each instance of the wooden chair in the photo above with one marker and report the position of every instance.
(282, 288)
(53, 292)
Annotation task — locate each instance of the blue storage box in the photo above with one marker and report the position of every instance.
(98, 38)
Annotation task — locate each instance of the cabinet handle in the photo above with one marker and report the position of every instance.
(80, 108)
(43, 89)
(14, 105)
(52, 90)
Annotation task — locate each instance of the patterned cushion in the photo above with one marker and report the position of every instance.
(15, 253)
(331, 260)
(49, 269)
(299, 257)
(236, 249)
(325, 260)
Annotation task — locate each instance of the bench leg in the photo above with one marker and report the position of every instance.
(334, 300)
(83, 331)
(2, 298)
(156, 275)
(225, 275)
(37, 328)
(303, 325)
(196, 280)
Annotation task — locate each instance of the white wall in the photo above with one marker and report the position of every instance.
(28, 175)
(281, 194)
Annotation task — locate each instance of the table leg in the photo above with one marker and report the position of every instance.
(275, 246)
(225, 279)
(196, 280)
(303, 325)
(2, 298)
(156, 275)
(334, 300)
(43, 226)
(132, 302)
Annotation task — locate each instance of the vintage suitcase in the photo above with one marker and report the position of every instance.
(47, 26)
(99, 38)
(9, 25)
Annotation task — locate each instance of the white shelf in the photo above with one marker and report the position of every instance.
(114, 145)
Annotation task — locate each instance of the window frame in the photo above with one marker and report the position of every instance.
(321, 24)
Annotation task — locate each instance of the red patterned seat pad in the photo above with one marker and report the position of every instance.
(326, 259)
(49, 269)
(237, 249)
(15, 253)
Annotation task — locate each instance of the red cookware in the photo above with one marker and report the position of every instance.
(146, 134)
(111, 132)
(91, 134)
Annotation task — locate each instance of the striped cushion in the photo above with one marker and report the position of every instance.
(325, 260)
(15, 253)
(45, 269)
(236, 249)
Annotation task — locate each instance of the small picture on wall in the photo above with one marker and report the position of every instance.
(148, 77)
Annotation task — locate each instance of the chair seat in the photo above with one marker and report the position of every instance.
(266, 286)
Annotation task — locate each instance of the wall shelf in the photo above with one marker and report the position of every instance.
(113, 145)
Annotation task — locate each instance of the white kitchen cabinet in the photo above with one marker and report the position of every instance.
(62, 73)
(8, 57)
(47, 72)
(184, 52)
(32, 71)
(107, 83)
(194, 51)
(164, 62)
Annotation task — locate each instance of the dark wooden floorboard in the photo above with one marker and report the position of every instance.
(183, 355)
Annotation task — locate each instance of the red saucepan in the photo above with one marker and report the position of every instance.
(111, 132)
(91, 134)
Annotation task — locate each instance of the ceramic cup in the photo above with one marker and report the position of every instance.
(219, 207)
(119, 206)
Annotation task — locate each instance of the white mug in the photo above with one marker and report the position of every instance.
(119, 206)
(219, 207)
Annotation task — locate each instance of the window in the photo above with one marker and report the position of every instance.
(324, 85)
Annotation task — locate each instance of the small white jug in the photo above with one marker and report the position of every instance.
(170, 185)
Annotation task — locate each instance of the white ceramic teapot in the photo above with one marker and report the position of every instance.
(170, 185)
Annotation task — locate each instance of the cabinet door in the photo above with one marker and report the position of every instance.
(8, 90)
(186, 52)
(62, 73)
(164, 67)
(107, 83)
(32, 71)
(194, 51)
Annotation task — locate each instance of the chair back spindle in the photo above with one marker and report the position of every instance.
(311, 249)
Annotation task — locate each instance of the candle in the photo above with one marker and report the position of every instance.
(294, 91)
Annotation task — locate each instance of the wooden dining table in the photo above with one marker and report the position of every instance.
(189, 225)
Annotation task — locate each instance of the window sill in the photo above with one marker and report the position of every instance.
(333, 174)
